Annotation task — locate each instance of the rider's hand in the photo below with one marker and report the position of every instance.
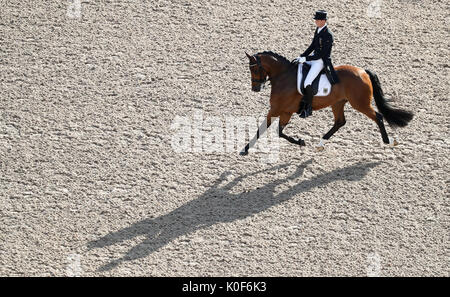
(301, 59)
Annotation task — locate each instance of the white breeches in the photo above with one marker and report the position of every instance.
(316, 67)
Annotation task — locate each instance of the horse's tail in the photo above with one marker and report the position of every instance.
(395, 117)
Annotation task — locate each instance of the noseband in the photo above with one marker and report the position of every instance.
(261, 81)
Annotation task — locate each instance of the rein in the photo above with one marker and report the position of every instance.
(261, 72)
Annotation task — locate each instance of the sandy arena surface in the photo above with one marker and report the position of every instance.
(91, 185)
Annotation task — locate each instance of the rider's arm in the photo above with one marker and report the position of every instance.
(326, 49)
(308, 50)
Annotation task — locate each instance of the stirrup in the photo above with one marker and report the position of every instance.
(306, 112)
(302, 107)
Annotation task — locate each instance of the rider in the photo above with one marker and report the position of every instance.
(321, 45)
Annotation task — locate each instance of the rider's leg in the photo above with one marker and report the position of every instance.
(316, 67)
(307, 102)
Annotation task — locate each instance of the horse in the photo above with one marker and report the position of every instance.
(356, 85)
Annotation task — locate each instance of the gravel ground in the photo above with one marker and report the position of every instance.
(91, 184)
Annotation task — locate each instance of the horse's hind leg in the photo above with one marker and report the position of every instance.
(376, 117)
(339, 121)
(380, 123)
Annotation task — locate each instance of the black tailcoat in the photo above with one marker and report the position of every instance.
(321, 45)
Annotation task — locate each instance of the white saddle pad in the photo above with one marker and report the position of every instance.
(324, 83)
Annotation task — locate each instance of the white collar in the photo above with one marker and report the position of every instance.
(318, 30)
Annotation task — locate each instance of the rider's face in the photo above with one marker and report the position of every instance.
(320, 23)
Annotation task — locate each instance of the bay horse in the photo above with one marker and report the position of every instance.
(357, 86)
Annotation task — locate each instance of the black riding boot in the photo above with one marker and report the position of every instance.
(306, 102)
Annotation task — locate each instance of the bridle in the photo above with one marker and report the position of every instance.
(261, 70)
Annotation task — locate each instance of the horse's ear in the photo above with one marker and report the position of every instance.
(248, 56)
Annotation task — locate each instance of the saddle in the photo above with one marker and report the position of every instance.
(321, 85)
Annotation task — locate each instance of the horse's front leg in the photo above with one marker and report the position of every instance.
(284, 120)
(262, 128)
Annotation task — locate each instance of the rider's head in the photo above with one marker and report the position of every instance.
(320, 18)
(320, 23)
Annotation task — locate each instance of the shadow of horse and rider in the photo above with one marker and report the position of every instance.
(219, 205)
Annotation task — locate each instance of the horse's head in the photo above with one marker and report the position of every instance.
(258, 74)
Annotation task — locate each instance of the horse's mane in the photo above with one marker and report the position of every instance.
(277, 56)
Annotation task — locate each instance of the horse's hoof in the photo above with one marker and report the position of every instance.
(301, 142)
(243, 153)
(320, 148)
(392, 142)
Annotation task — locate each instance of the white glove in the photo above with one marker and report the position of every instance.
(301, 59)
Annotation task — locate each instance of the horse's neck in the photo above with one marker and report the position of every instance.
(272, 66)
